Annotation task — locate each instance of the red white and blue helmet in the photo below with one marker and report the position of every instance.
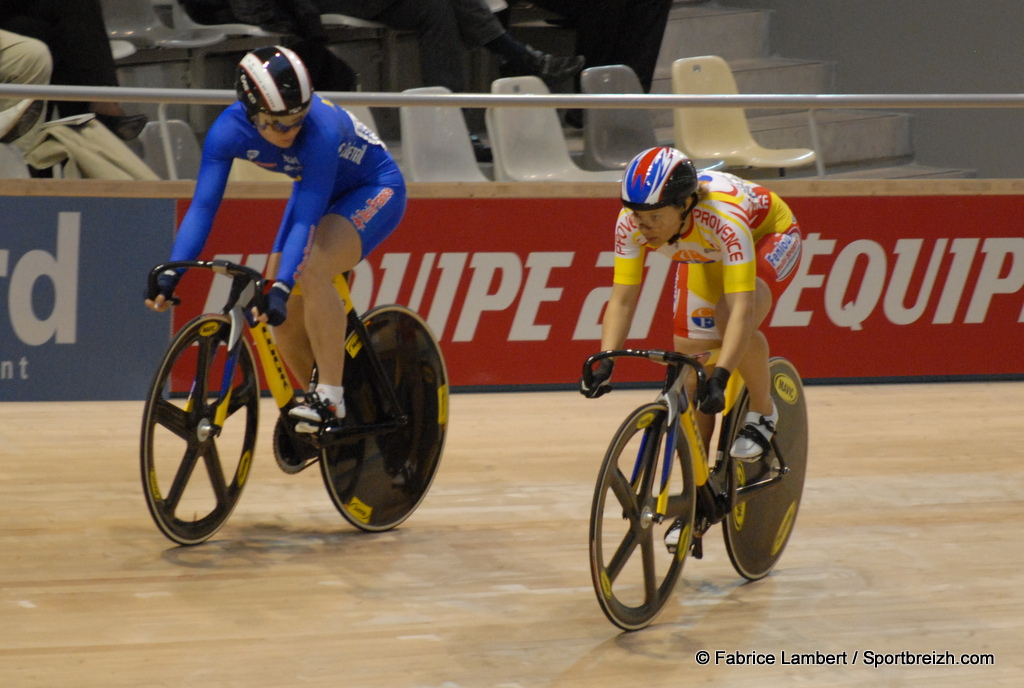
(273, 80)
(658, 177)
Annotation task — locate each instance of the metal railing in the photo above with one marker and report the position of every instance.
(811, 102)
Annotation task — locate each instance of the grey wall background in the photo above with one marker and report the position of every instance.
(920, 46)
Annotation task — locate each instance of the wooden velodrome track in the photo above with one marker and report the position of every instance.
(907, 543)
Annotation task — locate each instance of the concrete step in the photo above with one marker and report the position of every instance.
(908, 171)
(847, 137)
(733, 34)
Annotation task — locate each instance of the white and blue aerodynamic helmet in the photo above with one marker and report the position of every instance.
(273, 80)
(658, 177)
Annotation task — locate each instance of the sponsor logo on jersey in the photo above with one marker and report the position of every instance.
(784, 256)
(366, 213)
(703, 318)
(688, 255)
(349, 151)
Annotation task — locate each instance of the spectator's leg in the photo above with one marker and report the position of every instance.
(23, 60)
(638, 41)
(442, 56)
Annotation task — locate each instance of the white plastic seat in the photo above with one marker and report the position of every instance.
(185, 150)
(722, 133)
(184, 22)
(435, 142)
(136, 21)
(611, 138)
(12, 163)
(528, 143)
(121, 49)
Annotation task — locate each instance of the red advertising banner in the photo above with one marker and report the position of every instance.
(514, 289)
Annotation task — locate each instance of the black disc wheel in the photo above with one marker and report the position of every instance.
(633, 571)
(377, 480)
(769, 489)
(197, 444)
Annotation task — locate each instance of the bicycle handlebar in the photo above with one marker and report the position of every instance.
(241, 275)
(673, 359)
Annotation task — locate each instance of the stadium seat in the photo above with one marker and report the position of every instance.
(184, 149)
(136, 21)
(435, 142)
(528, 142)
(611, 138)
(722, 133)
(12, 163)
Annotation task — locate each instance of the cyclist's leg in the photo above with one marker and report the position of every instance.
(694, 328)
(778, 255)
(290, 336)
(354, 225)
(337, 248)
(753, 365)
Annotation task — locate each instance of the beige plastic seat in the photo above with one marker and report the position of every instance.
(185, 153)
(435, 142)
(722, 133)
(137, 21)
(528, 142)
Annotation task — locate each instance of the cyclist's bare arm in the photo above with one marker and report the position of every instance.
(618, 316)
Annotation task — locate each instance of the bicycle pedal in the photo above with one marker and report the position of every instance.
(307, 428)
(697, 548)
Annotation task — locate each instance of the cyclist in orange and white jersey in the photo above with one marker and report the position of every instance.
(736, 245)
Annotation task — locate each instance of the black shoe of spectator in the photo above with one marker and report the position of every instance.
(481, 150)
(125, 127)
(554, 70)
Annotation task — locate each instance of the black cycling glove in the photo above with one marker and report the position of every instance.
(710, 398)
(599, 378)
(277, 303)
(166, 282)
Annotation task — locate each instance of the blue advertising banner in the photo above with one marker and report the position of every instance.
(72, 278)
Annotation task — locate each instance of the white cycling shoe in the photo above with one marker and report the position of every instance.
(316, 412)
(754, 439)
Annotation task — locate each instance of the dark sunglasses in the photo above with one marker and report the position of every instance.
(279, 126)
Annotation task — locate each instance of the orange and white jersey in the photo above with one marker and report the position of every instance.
(724, 229)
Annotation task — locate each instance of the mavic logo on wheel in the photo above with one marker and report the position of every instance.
(786, 388)
(360, 511)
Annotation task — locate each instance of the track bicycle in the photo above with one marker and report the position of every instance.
(656, 476)
(200, 417)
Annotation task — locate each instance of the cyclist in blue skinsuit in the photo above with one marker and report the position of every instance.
(348, 196)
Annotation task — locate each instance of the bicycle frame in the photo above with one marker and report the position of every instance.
(247, 289)
(714, 502)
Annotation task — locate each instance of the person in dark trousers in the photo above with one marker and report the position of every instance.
(446, 28)
(298, 20)
(610, 32)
